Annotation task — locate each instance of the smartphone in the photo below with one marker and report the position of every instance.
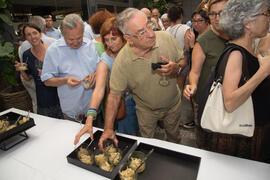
(158, 65)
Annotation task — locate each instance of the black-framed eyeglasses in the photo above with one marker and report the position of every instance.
(214, 14)
(198, 21)
(262, 14)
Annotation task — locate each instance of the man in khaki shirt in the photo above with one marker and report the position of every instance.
(132, 69)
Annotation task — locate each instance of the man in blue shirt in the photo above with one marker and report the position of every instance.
(50, 30)
(68, 62)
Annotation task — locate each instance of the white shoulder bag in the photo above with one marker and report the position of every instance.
(215, 118)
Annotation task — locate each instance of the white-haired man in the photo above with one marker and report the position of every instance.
(68, 62)
(155, 92)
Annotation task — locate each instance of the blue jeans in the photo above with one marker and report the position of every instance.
(129, 125)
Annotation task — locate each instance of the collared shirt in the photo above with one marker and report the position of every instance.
(26, 45)
(135, 73)
(54, 33)
(62, 61)
(88, 32)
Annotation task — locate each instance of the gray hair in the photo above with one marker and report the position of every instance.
(125, 16)
(164, 16)
(38, 21)
(237, 13)
(71, 21)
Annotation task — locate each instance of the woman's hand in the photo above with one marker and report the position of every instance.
(191, 38)
(189, 91)
(92, 79)
(264, 64)
(88, 127)
(18, 65)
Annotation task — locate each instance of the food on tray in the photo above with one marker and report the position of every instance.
(3, 126)
(22, 68)
(24, 120)
(84, 156)
(11, 127)
(110, 149)
(86, 84)
(128, 174)
(135, 163)
(115, 158)
(100, 159)
(106, 166)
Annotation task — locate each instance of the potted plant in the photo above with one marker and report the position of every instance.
(12, 93)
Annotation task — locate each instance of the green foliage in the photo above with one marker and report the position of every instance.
(5, 17)
(8, 52)
(161, 5)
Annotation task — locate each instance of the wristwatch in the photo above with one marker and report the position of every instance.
(179, 70)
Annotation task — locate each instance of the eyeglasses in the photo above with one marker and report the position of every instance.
(142, 33)
(262, 14)
(198, 21)
(214, 14)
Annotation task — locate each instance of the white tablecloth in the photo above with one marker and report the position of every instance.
(43, 156)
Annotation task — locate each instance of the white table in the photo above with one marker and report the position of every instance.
(43, 156)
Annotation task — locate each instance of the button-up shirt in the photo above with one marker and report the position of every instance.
(54, 33)
(62, 61)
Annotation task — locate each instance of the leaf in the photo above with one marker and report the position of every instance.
(6, 18)
(6, 49)
(3, 4)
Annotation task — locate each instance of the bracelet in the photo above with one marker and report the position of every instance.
(94, 109)
(92, 112)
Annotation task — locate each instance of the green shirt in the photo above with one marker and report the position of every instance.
(99, 47)
(135, 73)
(212, 46)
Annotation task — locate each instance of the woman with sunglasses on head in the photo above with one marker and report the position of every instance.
(113, 41)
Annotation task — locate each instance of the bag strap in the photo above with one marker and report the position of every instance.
(223, 60)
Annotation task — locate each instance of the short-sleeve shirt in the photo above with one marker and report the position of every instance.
(107, 60)
(62, 61)
(46, 96)
(212, 46)
(135, 73)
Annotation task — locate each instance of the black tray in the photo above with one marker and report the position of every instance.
(164, 164)
(123, 142)
(12, 117)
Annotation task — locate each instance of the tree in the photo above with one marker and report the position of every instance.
(161, 5)
(8, 51)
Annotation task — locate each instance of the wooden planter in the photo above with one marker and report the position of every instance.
(17, 98)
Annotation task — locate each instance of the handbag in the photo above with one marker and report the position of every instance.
(214, 116)
(122, 107)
